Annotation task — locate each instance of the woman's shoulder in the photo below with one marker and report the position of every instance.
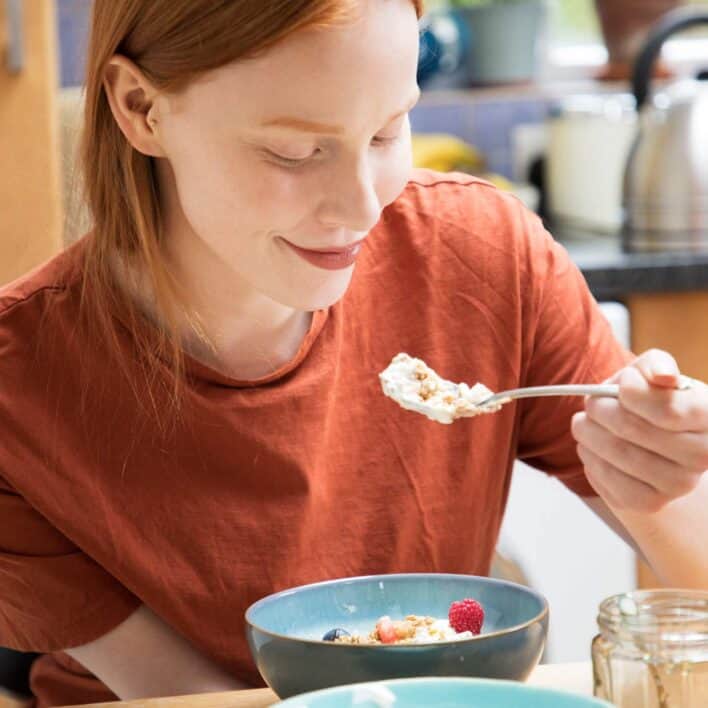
(442, 183)
(443, 191)
(453, 210)
(26, 297)
(38, 314)
(457, 203)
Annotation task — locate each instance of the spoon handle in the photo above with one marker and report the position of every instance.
(610, 390)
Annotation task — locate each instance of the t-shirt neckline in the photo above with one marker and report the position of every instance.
(196, 369)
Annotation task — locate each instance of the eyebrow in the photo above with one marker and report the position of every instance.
(307, 126)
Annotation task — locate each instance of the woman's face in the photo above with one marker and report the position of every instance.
(278, 167)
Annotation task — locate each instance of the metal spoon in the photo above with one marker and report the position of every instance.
(609, 390)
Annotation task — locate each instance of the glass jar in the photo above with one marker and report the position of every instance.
(652, 649)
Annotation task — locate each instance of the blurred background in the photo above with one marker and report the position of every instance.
(593, 112)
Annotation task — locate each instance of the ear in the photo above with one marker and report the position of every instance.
(132, 100)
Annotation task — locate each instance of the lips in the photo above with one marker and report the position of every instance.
(330, 258)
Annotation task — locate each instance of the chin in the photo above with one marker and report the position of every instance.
(322, 294)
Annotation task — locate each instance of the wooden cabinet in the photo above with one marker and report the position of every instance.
(30, 200)
(676, 322)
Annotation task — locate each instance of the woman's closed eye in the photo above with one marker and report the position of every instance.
(378, 141)
(292, 161)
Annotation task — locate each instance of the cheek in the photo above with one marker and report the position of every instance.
(281, 192)
(393, 171)
(231, 192)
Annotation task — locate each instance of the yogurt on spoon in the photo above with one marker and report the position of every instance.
(416, 387)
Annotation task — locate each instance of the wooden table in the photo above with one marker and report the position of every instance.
(576, 678)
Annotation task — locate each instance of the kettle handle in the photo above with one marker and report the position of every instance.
(672, 22)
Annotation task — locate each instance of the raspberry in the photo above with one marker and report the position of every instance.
(466, 616)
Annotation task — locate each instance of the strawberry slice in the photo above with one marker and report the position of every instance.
(386, 630)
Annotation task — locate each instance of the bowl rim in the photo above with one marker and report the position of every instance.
(397, 647)
(468, 680)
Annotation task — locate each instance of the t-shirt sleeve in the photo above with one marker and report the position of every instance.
(567, 340)
(52, 595)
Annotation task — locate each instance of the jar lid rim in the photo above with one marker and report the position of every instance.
(668, 616)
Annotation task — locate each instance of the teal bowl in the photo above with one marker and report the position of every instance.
(441, 693)
(285, 631)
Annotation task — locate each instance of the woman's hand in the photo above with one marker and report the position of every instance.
(650, 446)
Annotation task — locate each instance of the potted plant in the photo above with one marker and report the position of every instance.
(504, 39)
(625, 25)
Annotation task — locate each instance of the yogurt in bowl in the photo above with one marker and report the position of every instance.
(464, 621)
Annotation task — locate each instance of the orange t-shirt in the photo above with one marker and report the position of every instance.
(307, 474)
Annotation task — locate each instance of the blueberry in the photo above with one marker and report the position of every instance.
(335, 634)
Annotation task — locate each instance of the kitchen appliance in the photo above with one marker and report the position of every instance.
(589, 138)
(666, 180)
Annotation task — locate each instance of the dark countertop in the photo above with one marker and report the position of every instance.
(613, 274)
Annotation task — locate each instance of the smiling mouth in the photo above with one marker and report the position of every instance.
(329, 258)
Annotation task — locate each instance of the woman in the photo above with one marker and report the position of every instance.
(190, 407)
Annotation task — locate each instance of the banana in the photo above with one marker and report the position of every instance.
(446, 153)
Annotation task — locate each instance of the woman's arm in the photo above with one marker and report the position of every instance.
(144, 657)
(672, 540)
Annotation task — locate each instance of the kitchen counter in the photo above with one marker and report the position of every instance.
(613, 274)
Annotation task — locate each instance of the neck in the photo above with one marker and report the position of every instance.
(247, 334)
(248, 341)
(244, 334)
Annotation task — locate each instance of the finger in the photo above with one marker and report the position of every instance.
(618, 489)
(669, 409)
(686, 449)
(664, 475)
(658, 367)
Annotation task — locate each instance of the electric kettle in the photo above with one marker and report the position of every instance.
(665, 191)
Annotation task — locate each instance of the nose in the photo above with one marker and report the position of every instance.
(350, 200)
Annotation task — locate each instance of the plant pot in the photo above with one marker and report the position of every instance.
(625, 25)
(504, 41)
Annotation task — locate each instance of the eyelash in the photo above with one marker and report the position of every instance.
(288, 162)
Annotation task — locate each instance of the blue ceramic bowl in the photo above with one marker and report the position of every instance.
(442, 693)
(285, 631)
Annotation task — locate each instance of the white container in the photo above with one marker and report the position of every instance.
(588, 146)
